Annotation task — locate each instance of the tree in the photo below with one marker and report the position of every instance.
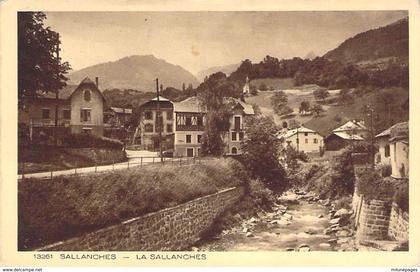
(253, 90)
(261, 150)
(39, 66)
(211, 94)
(183, 87)
(321, 94)
(317, 109)
(278, 102)
(345, 97)
(338, 119)
(263, 87)
(305, 106)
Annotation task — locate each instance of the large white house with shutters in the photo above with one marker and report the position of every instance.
(302, 139)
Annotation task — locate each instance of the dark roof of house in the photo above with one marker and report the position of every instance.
(67, 91)
(399, 132)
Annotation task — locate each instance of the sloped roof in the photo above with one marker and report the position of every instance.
(292, 132)
(161, 98)
(67, 91)
(399, 132)
(247, 108)
(351, 125)
(191, 104)
(386, 132)
(347, 136)
(64, 93)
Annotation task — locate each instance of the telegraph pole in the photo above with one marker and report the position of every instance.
(372, 138)
(57, 48)
(158, 120)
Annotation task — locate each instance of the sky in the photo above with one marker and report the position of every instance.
(199, 40)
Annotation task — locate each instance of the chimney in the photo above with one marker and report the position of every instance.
(97, 82)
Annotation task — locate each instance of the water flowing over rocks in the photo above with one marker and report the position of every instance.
(299, 221)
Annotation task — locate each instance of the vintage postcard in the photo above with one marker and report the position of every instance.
(209, 133)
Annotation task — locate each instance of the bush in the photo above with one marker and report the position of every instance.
(342, 177)
(87, 140)
(385, 170)
(374, 186)
(261, 196)
(401, 196)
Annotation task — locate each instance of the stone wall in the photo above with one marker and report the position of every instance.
(173, 228)
(374, 220)
(398, 224)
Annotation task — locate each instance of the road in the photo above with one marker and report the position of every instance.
(135, 159)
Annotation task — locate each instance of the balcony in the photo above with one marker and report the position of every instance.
(50, 122)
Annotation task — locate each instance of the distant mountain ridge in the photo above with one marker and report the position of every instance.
(136, 72)
(387, 42)
(226, 69)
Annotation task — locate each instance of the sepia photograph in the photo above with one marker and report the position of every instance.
(213, 131)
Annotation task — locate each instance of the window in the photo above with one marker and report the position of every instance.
(188, 139)
(66, 114)
(87, 95)
(234, 150)
(237, 122)
(233, 136)
(241, 136)
(148, 115)
(188, 121)
(387, 151)
(315, 141)
(199, 139)
(395, 152)
(45, 113)
(200, 121)
(306, 141)
(169, 115)
(190, 152)
(306, 133)
(148, 128)
(85, 115)
(169, 128)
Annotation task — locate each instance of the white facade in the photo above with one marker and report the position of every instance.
(303, 139)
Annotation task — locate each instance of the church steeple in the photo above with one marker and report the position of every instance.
(245, 89)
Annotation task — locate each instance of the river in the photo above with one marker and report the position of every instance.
(303, 226)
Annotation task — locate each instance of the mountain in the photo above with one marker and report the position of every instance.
(376, 46)
(136, 72)
(227, 69)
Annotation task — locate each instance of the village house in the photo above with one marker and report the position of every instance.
(117, 117)
(116, 123)
(302, 139)
(346, 134)
(189, 127)
(384, 153)
(399, 150)
(147, 134)
(79, 110)
(239, 112)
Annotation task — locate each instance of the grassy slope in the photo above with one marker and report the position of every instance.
(326, 123)
(50, 211)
